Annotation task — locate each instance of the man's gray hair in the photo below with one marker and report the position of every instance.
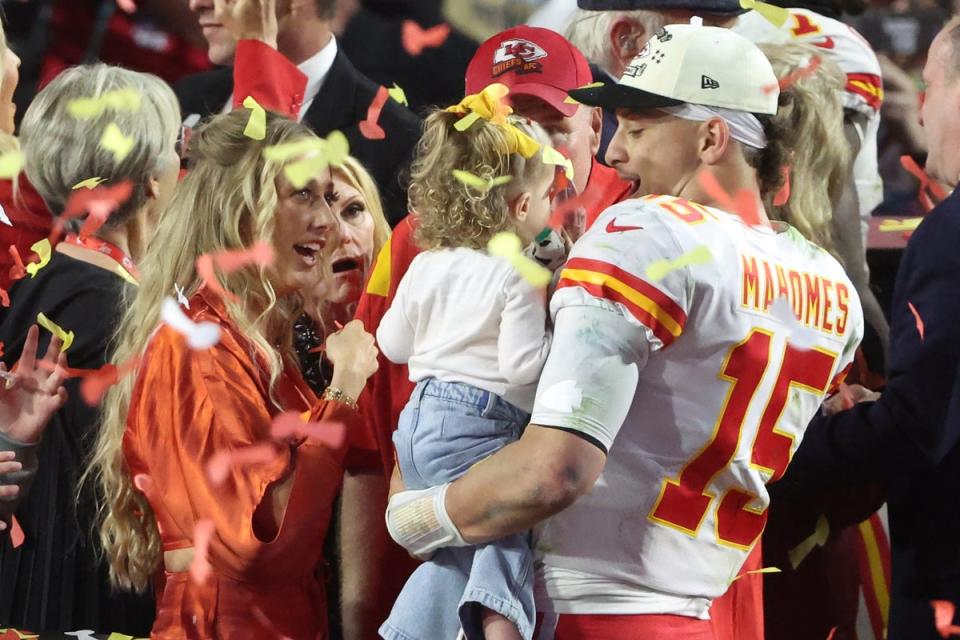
(62, 150)
(589, 31)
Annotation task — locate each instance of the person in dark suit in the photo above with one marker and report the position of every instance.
(908, 438)
(336, 98)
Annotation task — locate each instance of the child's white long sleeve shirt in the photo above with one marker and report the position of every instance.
(461, 315)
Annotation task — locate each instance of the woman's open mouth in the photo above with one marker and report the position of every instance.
(344, 265)
(309, 252)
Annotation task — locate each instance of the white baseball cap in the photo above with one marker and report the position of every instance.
(692, 64)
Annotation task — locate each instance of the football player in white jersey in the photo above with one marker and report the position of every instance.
(816, 22)
(692, 346)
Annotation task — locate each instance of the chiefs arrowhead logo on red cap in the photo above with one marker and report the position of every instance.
(517, 55)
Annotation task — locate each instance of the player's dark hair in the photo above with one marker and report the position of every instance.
(770, 161)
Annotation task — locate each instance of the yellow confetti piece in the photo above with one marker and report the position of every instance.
(759, 571)
(466, 121)
(119, 636)
(334, 151)
(482, 185)
(907, 224)
(398, 94)
(42, 249)
(507, 245)
(658, 270)
(57, 330)
(816, 539)
(286, 151)
(592, 85)
(11, 163)
(777, 16)
(552, 156)
(257, 125)
(114, 141)
(118, 100)
(89, 183)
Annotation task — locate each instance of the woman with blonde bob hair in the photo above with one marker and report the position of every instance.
(56, 581)
(256, 526)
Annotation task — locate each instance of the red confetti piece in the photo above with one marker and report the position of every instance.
(95, 381)
(930, 189)
(4, 298)
(744, 204)
(2, 346)
(916, 316)
(291, 424)
(17, 271)
(833, 632)
(796, 75)
(99, 203)
(228, 261)
(200, 567)
(127, 5)
(369, 127)
(943, 611)
(218, 468)
(783, 195)
(416, 38)
(16, 533)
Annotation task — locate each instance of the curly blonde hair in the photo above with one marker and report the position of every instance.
(820, 159)
(227, 201)
(452, 213)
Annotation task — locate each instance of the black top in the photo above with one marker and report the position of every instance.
(909, 438)
(340, 106)
(54, 580)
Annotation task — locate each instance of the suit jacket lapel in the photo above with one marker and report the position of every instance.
(334, 107)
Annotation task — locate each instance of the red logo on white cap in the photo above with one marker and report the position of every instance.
(517, 55)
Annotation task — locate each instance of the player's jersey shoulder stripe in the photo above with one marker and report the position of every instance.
(868, 86)
(379, 282)
(650, 306)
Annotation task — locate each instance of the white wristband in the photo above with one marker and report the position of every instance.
(418, 521)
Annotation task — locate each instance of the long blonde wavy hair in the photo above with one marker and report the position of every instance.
(813, 133)
(454, 214)
(227, 201)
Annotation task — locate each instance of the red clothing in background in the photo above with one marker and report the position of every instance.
(30, 220)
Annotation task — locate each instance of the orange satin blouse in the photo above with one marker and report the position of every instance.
(186, 406)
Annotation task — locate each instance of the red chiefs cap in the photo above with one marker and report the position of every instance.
(530, 61)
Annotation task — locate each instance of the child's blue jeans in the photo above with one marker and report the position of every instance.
(446, 428)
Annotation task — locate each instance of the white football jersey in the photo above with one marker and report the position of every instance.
(694, 349)
(864, 90)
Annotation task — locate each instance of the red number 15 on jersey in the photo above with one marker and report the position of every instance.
(684, 500)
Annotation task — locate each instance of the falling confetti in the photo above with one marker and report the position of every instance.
(903, 224)
(116, 142)
(806, 70)
(292, 424)
(11, 163)
(744, 204)
(199, 335)
(256, 128)
(369, 127)
(816, 539)
(200, 567)
(118, 100)
(96, 383)
(128, 6)
(65, 336)
(98, 204)
(398, 94)
(89, 183)
(415, 38)
(221, 462)
(833, 632)
(549, 155)
(17, 271)
(16, 533)
(507, 245)
(43, 249)
(182, 299)
(659, 269)
(930, 191)
(332, 151)
(776, 16)
(483, 185)
(943, 612)
(226, 262)
(916, 316)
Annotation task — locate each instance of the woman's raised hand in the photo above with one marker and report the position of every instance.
(354, 356)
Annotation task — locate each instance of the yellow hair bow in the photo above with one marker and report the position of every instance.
(489, 105)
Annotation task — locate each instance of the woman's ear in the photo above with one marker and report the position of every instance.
(153, 188)
(596, 129)
(519, 207)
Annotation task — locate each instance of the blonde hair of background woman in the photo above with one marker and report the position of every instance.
(8, 142)
(62, 150)
(813, 127)
(451, 213)
(203, 216)
(360, 179)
